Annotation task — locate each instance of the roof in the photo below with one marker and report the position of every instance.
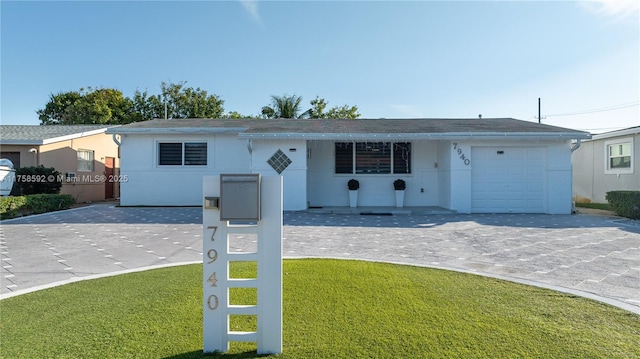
(42, 135)
(622, 132)
(355, 129)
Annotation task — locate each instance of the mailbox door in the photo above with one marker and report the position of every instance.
(240, 197)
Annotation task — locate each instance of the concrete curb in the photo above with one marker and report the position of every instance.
(91, 277)
(588, 295)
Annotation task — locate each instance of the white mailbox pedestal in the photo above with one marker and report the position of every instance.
(216, 258)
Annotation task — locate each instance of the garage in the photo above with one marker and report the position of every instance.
(508, 179)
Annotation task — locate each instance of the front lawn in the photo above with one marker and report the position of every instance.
(332, 309)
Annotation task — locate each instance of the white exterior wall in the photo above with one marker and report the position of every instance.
(559, 186)
(152, 185)
(440, 175)
(327, 189)
(590, 180)
(460, 175)
(557, 176)
(294, 177)
(444, 174)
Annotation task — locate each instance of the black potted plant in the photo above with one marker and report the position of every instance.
(353, 184)
(399, 185)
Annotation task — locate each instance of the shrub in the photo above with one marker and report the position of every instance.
(353, 184)
(625, 203)
(15, 206)
(399, 185)
(12, 206)
(37, 180)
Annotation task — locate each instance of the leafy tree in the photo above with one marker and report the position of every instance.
(109, 106)
(147, 107)
(58, 109)
(180, 102)
(91, 106)
(319, 105)
(289, 107)
(284, 107)
(237, 115)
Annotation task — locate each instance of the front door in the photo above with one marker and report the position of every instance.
(109, 164)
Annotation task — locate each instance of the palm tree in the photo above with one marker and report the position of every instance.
(285, 107)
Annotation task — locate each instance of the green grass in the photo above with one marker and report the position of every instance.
(604, 206)
(332, 309)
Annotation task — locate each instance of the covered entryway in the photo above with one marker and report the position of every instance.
(508, 180)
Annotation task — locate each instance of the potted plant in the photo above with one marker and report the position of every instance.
(399, 185)
(353, 186)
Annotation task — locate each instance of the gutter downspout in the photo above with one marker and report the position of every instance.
(577, 145)
(573, 202)
(118, 142)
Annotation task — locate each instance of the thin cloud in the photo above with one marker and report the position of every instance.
(252, 8)
(408, 111)
(613, 8)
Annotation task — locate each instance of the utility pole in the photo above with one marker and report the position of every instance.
(165, 108)
(539, 116)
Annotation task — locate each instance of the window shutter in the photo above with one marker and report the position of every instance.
(170, 154)
(195, 154)
(344, 157)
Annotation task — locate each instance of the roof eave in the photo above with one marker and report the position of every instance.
(22, 142)
(618, 133)
(74, 136)
(420, 136)
(176, 130)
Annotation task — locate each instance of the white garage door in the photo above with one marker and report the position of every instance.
(508, 179)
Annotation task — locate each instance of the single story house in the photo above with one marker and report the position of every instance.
(86, 157)
(609, 161)
(498, 165)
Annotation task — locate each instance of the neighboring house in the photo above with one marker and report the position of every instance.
(609, 161)
(86, 157)
(466, 165)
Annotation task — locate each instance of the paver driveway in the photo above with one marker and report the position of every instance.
(580, 253)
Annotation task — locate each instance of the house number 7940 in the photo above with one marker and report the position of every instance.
(461, 155)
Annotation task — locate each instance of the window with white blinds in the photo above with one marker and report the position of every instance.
(85, 160)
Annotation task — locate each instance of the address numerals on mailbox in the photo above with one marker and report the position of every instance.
(212, 302)
(215, 228)
(213, 255)
(212, 279)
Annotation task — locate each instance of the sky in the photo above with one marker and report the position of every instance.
(392, 59)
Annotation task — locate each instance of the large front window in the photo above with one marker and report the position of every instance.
(372, 157)
(619, 156)
(182, 153)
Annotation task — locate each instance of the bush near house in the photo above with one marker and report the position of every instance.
(625, 203)
(36, 180)
(15, 206)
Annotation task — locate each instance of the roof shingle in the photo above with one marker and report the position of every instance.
(250, 127)
(33, 134)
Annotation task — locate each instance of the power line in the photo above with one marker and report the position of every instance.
(601, 109)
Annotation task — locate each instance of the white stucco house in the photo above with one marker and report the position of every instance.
(609, 161)
(499, 165)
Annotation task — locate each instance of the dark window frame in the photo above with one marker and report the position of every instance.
(372, 157)
(186, 153)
